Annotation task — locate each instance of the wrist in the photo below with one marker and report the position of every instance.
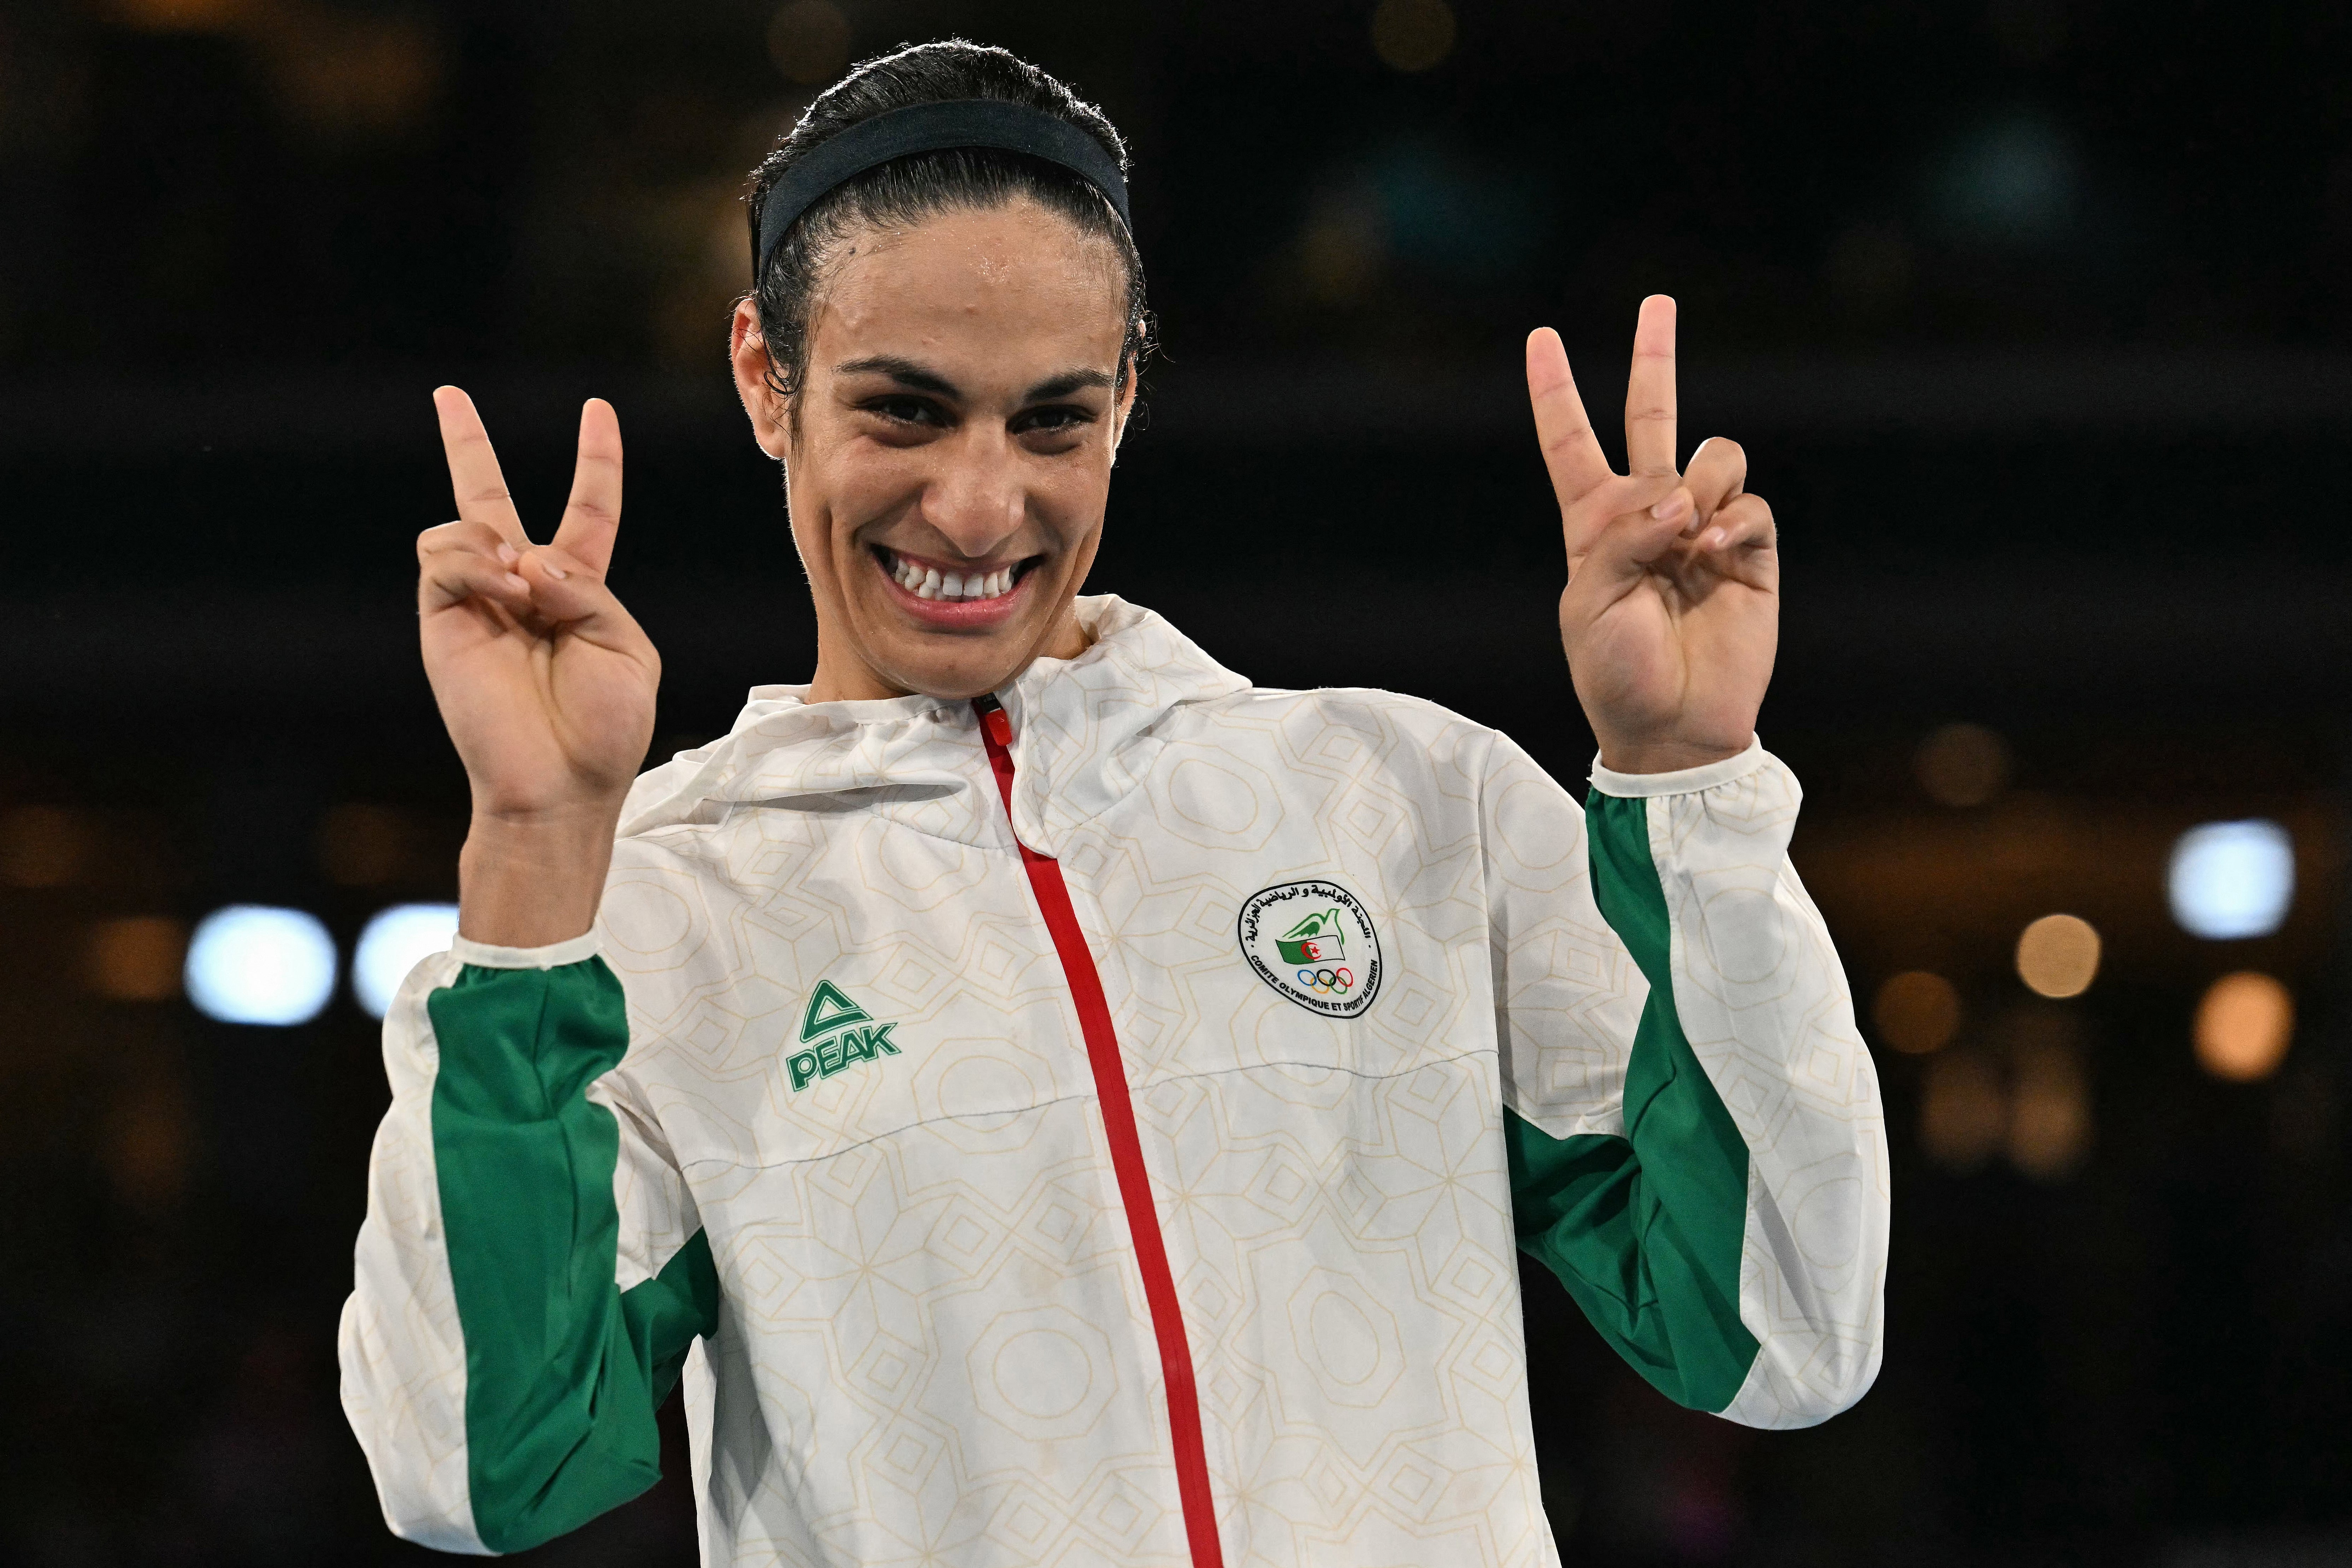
(1665, 756)
(534, 878)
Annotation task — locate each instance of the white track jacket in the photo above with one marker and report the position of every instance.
(1100, 1129)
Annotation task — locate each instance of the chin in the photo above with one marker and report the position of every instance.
(957, 648)
(954, 667)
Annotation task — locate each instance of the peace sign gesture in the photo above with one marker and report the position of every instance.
(546, 683)
(1672, 613)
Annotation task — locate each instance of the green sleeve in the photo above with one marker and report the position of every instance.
(1645, 1230)
(564, 1370)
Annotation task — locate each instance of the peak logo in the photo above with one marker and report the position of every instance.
(837, 1033)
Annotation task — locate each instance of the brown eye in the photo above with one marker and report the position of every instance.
(1056, 418)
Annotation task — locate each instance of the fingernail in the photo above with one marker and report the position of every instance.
(1716, 539)
(557, 573)
(506, 556)
(517, 584)
(1668, 507)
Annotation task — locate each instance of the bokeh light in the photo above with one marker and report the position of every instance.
(2013, 181)
(1916, 1012)
(2049, 1108)
(1963, 1113)
(1412, 35)
(2058, 955)
(392, 944)
(1962, 764)
(254, 963)
(137, 958)
(2243, 1026)
(182, 15)
(42, 847)
(2233, 880)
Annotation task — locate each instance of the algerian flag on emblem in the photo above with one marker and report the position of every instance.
(1315, 940)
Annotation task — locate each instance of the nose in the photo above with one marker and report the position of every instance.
(977, 498)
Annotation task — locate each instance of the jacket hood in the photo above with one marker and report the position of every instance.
(1084, 732)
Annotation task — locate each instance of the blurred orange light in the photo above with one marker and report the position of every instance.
(2058, 955)
(137, 958)
(42, 847)
(151, 1139)
(1412, 35)
(182, 15)
(1916, 1012)
(1962, 764)
(2243, 1027)
(1963, 1111)
(2050, 1111)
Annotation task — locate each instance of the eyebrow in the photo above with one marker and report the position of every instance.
(916, 377)
(1068, 382)
(905, 372)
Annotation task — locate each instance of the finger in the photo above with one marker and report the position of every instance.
(564, 591)
(1625, 549)
(482, 495)
(452, 576)
(1612, 499)
(1572, 453)
(1649, 390)
(478, 537)
(1718, 472)
(1744, 522)
(593, 516)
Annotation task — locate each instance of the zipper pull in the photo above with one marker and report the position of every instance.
(993, 718)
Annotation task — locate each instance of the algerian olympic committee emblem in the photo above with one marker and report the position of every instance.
(1314, 943)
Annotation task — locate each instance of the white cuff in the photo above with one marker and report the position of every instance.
(1682, 781)
(483, 955)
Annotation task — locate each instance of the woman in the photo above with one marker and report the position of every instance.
(1047, 1097)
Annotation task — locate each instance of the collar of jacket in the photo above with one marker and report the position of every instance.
(1084, 732)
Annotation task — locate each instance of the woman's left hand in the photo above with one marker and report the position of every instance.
(1672, 613)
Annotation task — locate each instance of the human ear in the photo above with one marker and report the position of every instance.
(767, 409)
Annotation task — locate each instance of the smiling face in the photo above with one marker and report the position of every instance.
(948, 458)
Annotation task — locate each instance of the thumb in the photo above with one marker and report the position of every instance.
(564, 591)
(1631, 543)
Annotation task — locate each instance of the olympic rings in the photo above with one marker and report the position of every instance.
(1324, 982)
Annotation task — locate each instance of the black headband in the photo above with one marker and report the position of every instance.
(934, 128)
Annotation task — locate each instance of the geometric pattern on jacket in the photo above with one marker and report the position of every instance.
(929, 1342)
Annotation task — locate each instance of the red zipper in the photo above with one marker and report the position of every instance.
(1126, 1156)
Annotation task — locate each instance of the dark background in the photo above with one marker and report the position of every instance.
(2032, 315)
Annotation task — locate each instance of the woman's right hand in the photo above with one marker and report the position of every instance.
(546, 683)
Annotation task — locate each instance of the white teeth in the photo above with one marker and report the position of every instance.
(930, 582)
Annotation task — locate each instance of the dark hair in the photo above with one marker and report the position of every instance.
(908, 190)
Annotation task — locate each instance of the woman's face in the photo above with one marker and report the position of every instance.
(950, 458)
